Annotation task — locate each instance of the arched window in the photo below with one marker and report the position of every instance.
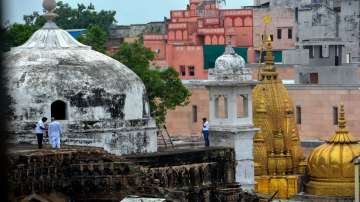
(221, 107)
(242, 106)
(58, 110)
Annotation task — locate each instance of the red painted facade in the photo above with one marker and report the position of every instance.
(188, 30)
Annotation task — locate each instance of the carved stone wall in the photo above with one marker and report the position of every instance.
(91, 174)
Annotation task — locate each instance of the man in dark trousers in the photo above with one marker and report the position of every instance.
(40, 129)
(205, 131)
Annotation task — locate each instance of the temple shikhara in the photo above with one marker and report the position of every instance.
(271, 82)
(278, 156)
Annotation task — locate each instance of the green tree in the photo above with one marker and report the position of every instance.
(94, 37)
(75, 18)
(16, 35)
(164, 88)
(68, 18)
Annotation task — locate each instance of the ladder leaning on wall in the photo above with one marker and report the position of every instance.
(166, 139)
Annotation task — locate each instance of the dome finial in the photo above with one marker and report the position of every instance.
(341, 119)
(49, 6)
(342, 135)
(229, 49)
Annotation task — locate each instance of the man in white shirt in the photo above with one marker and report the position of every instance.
(205, 131)
(54, 133)
(40, 130)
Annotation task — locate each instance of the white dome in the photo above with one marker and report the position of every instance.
(53, 66)
(229, 62)
(229, 66)
(98, 101)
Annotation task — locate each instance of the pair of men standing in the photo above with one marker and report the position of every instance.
(53, 130)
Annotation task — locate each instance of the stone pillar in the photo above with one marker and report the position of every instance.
(244, 169)
(241, 140)
(231, 80)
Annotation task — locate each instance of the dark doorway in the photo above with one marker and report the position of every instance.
(58, 110)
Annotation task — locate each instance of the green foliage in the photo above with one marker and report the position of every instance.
(75, 18)
(94, 37)
(164, 88)
(135, 55)
(68, 18)
(16, 35)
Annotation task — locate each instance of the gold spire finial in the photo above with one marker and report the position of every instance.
(341, 119)
(269, 59)
(268, 72)
(342, 135)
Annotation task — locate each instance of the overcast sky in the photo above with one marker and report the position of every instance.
(127, 11)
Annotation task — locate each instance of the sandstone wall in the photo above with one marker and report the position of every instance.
(316, 102)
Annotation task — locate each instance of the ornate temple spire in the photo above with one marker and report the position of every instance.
(268, 72)
(342, 135)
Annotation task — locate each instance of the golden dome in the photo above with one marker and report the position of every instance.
(329, 165)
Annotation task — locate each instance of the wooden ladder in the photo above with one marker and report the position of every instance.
(167, 141)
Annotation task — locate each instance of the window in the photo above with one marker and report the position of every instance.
(182, 70)
(289, 33)
(221, 107)
(337, 9)
(298, 115)
(58, 110)
(348, 57)
(191, 71)
(337, 56)
(311, 51)
(335, 115)
(194, 113)
(242, 106)
(320, 52)
(279, 33)
(314, 78)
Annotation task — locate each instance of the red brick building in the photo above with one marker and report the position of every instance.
(195, 37)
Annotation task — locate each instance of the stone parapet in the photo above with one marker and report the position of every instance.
(91, 174)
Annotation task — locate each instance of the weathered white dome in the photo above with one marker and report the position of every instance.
(229, 66)
(97, 100)
(52, 66)
(230, 61)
